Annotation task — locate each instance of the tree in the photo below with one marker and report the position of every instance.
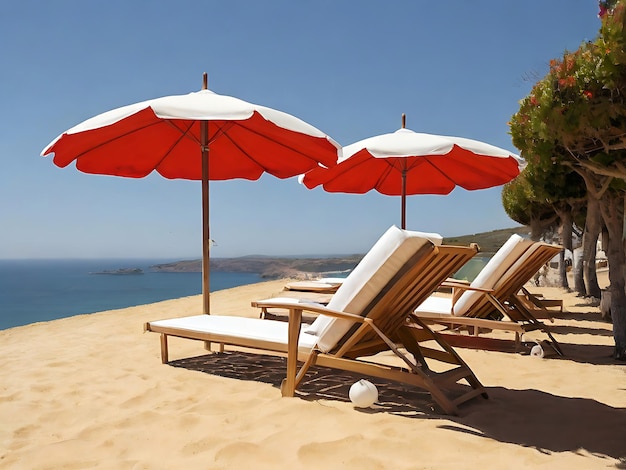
(522, 205)
(575, 117)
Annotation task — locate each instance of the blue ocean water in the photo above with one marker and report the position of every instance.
(41, 290)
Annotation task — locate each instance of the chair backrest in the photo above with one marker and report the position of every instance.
(512, 278)
(374, 273)
(413, 284)
(524, 269)
(492, 273)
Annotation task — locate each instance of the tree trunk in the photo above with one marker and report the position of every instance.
(579, 277)
(563, 282)
(593, 227)
(612, 206)
(567, 227)
(536, 229)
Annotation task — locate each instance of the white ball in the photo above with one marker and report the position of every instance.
(537, 351)
(363, 393)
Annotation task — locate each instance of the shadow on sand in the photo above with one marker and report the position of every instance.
(529, 418)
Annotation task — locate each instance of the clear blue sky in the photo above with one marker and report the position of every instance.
(350, 68)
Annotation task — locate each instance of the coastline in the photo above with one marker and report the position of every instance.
(90, 391)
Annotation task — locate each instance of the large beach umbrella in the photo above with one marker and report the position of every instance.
(406, 162)
(200, 136)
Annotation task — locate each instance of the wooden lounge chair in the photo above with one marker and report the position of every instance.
(367, 315)
(496, 299)
(324, 285)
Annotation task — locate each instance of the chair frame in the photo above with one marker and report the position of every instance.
(506, 307)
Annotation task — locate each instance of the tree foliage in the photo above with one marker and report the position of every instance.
(575, 119)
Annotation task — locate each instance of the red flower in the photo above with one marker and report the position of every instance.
(588, 94)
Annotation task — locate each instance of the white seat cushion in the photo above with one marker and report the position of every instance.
(518, 264)
(493, 271)
(366, 281)
(436, 304)
(239, 327)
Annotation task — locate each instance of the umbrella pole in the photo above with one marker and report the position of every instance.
(404, 199)
(206, 235)
(206, 238)
(404, 183)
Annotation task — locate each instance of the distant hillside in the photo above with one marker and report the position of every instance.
(489, 242)
(309, 267)
(268, 267)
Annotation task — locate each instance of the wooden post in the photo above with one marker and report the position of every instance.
(403, 195)
(288, 386)
(206, 236)
(164, 350)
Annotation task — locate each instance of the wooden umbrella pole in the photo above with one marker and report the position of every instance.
(206, 237)
(404, 199)
(404, 183)
(206, 234)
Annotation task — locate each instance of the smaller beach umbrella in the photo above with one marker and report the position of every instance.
(199, 136)
(406, 162)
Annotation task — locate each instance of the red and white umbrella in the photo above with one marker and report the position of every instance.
(200, 136)
(406, 162)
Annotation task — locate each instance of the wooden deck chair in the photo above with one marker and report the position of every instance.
(367, 315)
(326, 285)
(493, 301)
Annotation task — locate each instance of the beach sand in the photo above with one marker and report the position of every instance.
(90, 392)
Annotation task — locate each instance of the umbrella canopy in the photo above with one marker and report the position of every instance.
(407, 162)
(200, 136)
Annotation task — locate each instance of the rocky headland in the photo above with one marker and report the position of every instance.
(269, 267)
(314, 267)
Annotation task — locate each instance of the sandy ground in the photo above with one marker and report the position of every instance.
(90, 392)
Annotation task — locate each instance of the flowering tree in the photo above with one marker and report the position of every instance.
(575, 117)
(541, 197)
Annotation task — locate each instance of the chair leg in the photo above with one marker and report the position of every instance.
(164, 350)
(288, 387)
(529, 317)
(449, 355)
(300, 375)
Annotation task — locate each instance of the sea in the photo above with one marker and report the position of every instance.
(42, 290)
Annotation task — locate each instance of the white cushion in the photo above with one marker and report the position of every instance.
(365, 282)
(436, 304)
(518, 264)
(493, 271)
(239, 327)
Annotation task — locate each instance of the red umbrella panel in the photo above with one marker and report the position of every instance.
(406, 162)
(198, 136)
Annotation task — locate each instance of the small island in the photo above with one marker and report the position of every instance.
(121, 271)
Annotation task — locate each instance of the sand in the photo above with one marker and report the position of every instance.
(90, 392)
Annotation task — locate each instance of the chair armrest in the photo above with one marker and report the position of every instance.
(295, 304)
(459, 287)
(468, 287)
(455, 282)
